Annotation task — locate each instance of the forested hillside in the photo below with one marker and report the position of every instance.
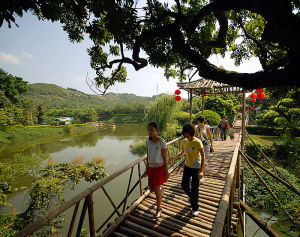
(53, 96)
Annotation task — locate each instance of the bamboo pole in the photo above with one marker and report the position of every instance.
(263, 225)
(203, 104)
(240, 216)
(243, 121)
(273, 175)
(191, 105)
(111, 201)
(73, 219)
(128, 186)
(114, 211)
(268, 160)
(91, 215)
(79, 227)
(222, 210)
(265, 184)
(140, 179)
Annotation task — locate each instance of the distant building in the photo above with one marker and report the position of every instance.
(64, 120)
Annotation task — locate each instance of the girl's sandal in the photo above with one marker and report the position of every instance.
(158, 214)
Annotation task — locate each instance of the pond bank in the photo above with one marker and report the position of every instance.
(42, 133)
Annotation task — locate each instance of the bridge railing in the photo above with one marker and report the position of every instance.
(88, 203)
(222, 224)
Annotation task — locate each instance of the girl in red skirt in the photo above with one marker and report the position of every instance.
(156, 165)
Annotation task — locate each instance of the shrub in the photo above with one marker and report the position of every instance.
(181, 117)
(268, 131)
(253, 152)
(171, 132)
(285, 151)
(138, 148)
(211, 117)
(69, 129)
(269, 117)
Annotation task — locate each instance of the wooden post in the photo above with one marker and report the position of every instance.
(203, 103)
(91, 215)
(79, 227)
(111, 201)
(129, 182)
(243, 121)
(263, 225)
(140, 179)
(191, 105)
(73, 219)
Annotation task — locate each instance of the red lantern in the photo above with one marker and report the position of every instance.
(260, 105)
(259, 89)
(253, 100)
(251, 108)
(177, 92)
(177, 98)
(252, 95)
(260, 95)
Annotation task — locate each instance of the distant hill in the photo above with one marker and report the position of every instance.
(53, 96)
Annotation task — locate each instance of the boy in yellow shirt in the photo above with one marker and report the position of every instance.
(194, 167)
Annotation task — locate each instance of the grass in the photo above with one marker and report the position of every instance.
(28, 134)
(264, 140)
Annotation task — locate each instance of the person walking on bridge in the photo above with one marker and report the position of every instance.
(223, 127)
(194, 167)
(156, 165)
(203, 133)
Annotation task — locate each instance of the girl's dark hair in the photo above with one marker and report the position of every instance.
(201, 119)
(153, 124)
(188, 128)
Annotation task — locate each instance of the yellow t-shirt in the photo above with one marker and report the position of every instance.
(192, 153)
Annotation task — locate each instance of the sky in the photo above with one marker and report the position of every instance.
(40, 52)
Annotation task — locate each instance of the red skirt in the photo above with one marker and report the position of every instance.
(156, 176)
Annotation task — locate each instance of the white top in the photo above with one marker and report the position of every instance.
(202, 130)
(155, 158)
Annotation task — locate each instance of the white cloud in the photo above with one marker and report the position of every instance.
(9, 58)
(27, 55)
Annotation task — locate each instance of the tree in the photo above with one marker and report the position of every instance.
(188, 32)
(12, 86)
(40, 114)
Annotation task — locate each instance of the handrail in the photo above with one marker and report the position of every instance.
(227, 194)
(87, 195)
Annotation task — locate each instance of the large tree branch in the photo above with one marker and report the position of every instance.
(281, 77)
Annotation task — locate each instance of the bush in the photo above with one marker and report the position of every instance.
(181, 117)
(253, 152)
(269, 117)
(69, 129)
(171, 132)
(285, 151)
(211, 117)
(268, 131)
(138, 148)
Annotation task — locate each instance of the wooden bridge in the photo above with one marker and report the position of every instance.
(221, 200)
(176, 220)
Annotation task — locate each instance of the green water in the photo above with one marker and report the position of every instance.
(111, 144)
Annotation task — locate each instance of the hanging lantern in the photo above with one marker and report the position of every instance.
(259, 89)
(253, 100)
(177, 98)
(260, 95)
(252, 95)
(177, 92)
(251, 107)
